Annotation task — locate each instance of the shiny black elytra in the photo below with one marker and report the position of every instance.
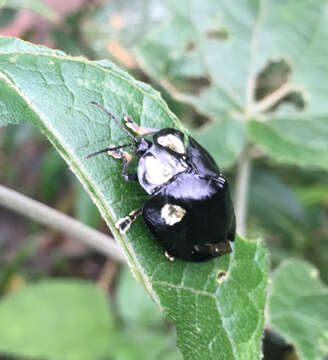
(190, 211)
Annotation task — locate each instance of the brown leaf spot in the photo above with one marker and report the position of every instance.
(222, 276)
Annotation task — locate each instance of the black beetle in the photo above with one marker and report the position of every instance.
(190, 211)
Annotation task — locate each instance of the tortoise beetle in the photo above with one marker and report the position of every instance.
(190, 210)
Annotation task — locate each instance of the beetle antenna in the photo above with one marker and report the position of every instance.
(107, 149)
(114, 118)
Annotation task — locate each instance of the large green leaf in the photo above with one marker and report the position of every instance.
(85, 209)
(120, 22)
(294, 140)
(298, 308)
(57, 319)
(220, 47)
(274, 204)
(232, 290)
(52, 91)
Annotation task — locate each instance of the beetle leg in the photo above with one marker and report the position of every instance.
(126, 160)
(136, 128)
(126, 157)
(124, 223)
(223, 248)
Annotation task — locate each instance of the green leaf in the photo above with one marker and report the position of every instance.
(275, 204)
(52, 91)
(214, 316)
(52, 167)
(317, 194)
(180, 49)
(210, 53)
(298, 308)
(6, 16)
(85, 209)
(224, 139)
(57, 319)
(301, 141)
(121, 22)
(139, 343)
(142, 311)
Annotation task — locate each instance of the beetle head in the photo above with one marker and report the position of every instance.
(141, 146)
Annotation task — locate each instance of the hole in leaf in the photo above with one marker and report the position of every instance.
(198, 85)
(222, 276)
(271, 78)
(190, 46)
(275, 74)
(192, 85)
(295, 98)
(201, 121)
(217, 34)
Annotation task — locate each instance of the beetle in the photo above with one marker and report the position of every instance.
(190, 211)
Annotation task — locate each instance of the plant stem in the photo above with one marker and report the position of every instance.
(60, 222)
(244, 161)
(241, 191)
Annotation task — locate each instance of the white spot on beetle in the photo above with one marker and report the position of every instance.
(156, 172)
(172, 142)
(118, 153)
(168, 256)
(172, 214)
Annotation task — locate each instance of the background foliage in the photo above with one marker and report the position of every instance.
(244, 77)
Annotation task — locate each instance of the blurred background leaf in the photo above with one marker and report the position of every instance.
(56, 319)
(142, 310)
(298, 308)
(195, 52)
